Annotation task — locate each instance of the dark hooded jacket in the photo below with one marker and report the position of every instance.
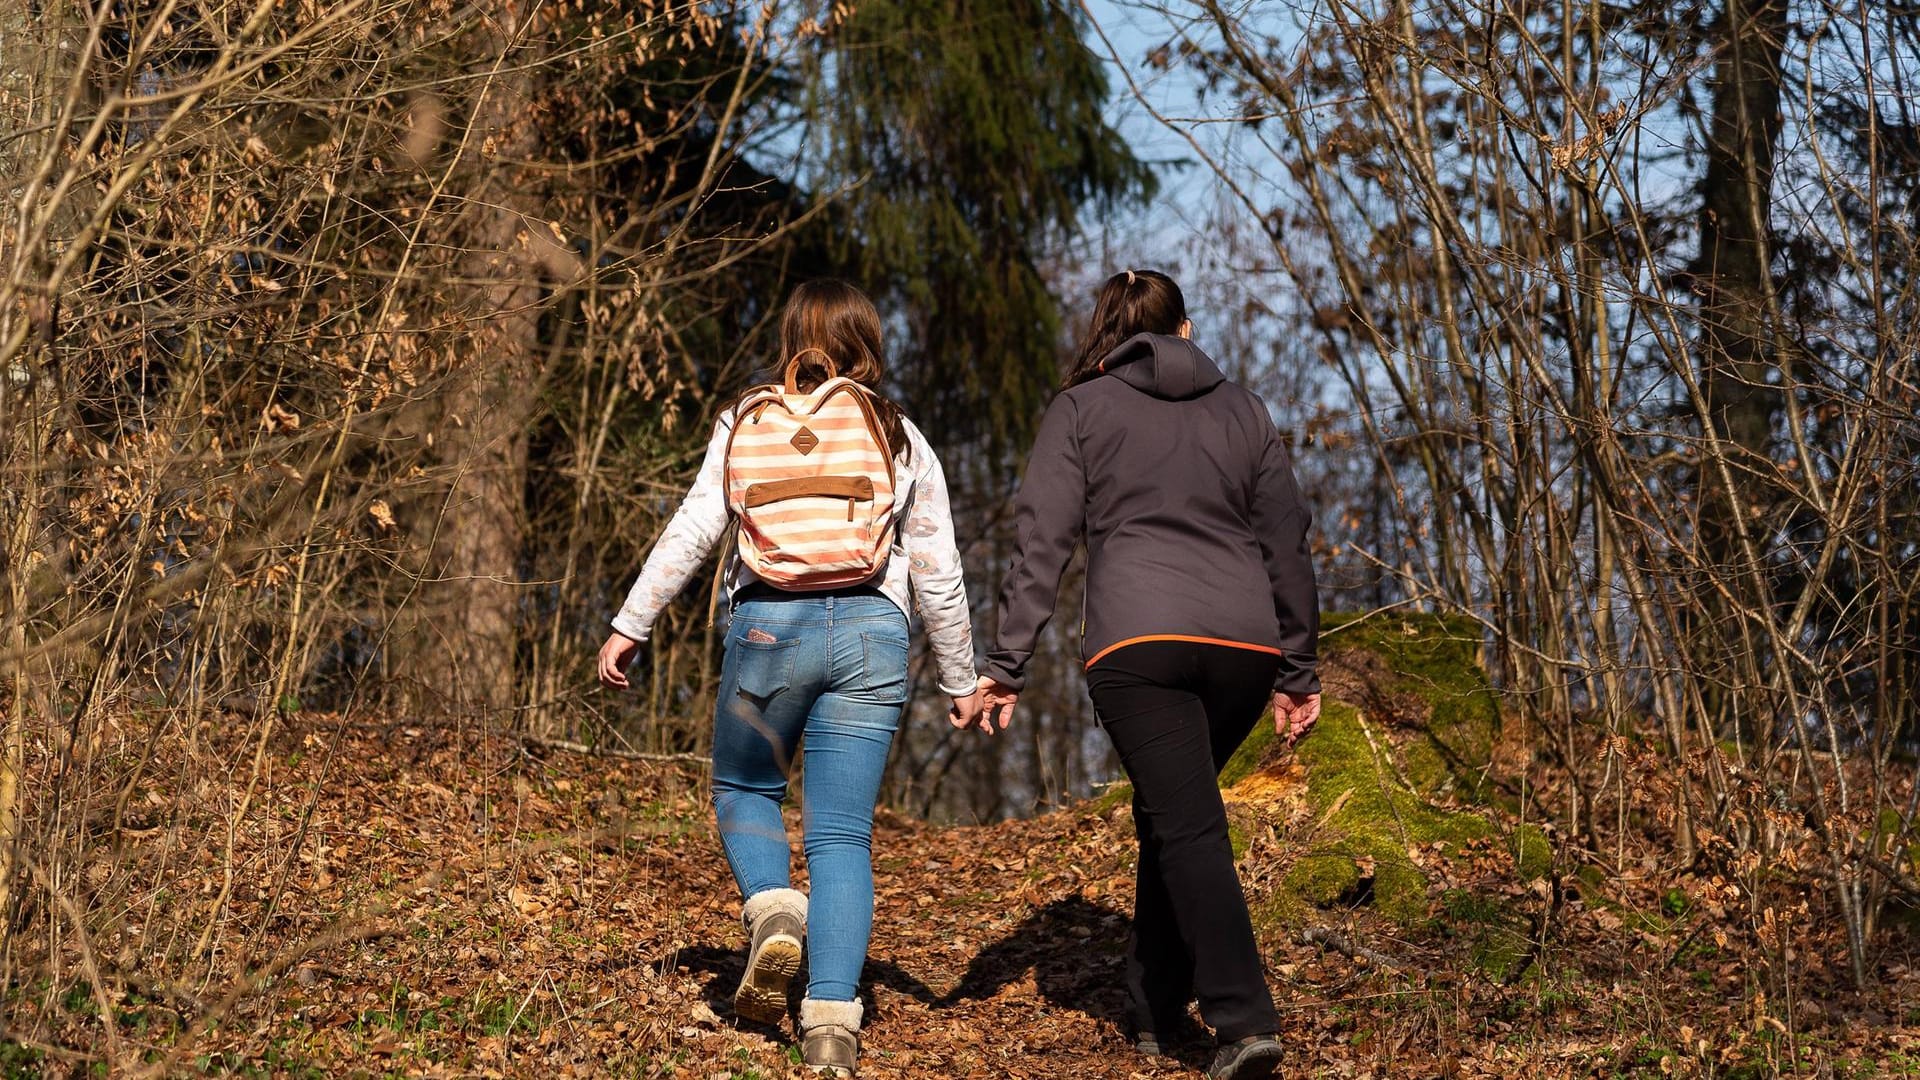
(1185, 495)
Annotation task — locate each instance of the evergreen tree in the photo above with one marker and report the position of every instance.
(977, 135)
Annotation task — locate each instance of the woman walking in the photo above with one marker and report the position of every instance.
(1200, 607)
(842, 519)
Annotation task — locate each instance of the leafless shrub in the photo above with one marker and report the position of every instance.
(288, 291)
(1622, 299)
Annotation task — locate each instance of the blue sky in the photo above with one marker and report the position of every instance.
(1164, 228)
(1184, 229)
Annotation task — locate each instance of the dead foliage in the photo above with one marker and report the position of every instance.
(437, 901)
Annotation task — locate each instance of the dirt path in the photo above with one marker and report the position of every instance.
(997, 952)
(427, 904)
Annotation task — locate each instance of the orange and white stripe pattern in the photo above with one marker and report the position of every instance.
(809, 478)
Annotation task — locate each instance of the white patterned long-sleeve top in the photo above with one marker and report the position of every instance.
(924, 570)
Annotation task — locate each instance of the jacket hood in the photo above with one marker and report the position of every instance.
(1167, 367)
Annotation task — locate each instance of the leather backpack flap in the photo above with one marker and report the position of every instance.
(859, 488)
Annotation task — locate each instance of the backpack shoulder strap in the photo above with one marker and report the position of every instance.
(756, 401)
(864, 398)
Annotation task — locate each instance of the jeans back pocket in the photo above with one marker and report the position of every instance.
(762, 669)
(886, 667)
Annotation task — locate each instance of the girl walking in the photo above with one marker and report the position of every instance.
(841, 513)
(1200, 608)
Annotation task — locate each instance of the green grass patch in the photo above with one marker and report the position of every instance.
(1497, 934)
(18, 1062)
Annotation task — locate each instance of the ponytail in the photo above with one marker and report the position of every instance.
(1130, 302)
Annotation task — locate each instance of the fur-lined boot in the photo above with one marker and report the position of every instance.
(830, 1036)
(776, 921)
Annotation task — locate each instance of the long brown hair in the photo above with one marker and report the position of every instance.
(1131, 302)
(831, 330)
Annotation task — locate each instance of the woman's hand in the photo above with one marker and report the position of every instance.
(1294, 715)
(965, 711)
(996, 699)
(615, 655)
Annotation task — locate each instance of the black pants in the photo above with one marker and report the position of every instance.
(1176, 712)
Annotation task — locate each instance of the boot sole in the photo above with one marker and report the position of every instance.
(763, 991)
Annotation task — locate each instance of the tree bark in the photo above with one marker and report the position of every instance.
(457, 641)
(1733, 274)
(1734, 267)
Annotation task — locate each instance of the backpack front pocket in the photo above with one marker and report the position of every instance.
(811, 529)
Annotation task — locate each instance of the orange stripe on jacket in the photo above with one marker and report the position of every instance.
(1189, 638)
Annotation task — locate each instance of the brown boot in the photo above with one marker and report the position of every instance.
(830, 1036)
(776, 921)
(1255, 1057)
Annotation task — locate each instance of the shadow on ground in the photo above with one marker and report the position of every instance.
(1076, 950)
(722, 967)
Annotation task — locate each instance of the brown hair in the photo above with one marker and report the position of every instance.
(831, 330)
(1131, 302)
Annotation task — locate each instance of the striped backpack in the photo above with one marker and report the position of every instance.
(810, 481)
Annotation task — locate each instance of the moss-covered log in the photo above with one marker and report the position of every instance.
(1394, 776)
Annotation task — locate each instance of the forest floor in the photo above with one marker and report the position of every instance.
(421, 901)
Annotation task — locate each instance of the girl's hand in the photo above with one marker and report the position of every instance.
(615, 655)
(965, 712)
(1294, 715)
(998, 702)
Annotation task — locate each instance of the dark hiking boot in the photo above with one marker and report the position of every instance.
(1255, 1057)
(1167, 1038)
(830, 1036)
(776, 921)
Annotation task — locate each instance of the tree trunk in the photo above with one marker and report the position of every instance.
(456, 646)
(1734, 276)
(1734, 265)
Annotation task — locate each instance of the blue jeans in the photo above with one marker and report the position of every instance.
(829, 684)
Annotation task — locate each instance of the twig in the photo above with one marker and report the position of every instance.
(1333, 939)
(572, 747)
(1357, 620)
(1895, 879)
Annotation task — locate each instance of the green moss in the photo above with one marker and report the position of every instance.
(1437, 661)
(1591, 880)
(1374, 821)
(1117, 795)
(1532, 853)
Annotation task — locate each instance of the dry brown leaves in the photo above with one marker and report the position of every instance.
(501, 914)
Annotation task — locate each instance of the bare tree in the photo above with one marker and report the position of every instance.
(283, 289)
(1631, 406)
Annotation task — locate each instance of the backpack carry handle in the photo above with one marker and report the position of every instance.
(792, 372)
